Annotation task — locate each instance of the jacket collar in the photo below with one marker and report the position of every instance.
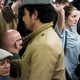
(34, 33)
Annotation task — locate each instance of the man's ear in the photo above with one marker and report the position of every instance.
(35, 14)
(16, 45)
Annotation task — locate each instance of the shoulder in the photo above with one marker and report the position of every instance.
(48, 39)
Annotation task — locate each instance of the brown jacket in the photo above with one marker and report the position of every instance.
(44, 57)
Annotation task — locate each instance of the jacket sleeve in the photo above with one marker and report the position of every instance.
(46, 64)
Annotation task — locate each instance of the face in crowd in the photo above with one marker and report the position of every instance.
(4, 67)
(71, 16)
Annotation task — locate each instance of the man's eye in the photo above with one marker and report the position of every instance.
(23, 13)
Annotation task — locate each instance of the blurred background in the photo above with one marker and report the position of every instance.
(76, 3)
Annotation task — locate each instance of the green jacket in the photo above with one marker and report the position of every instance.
(44, 57)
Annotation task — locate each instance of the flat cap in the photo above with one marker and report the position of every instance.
(25, 2)
(4, 54)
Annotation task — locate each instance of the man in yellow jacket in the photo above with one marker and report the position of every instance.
(43, 58)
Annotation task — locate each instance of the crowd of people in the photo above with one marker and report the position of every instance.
(39, 40)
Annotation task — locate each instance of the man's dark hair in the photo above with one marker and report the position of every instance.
(45, 11)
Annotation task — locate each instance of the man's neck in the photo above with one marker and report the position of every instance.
(37, 25)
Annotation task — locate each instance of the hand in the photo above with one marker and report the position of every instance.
(15, 6)
(58, 7)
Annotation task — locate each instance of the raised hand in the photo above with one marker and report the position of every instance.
(15, 6)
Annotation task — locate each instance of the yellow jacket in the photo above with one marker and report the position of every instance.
(44, 57)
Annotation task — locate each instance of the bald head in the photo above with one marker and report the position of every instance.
(9, 38)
